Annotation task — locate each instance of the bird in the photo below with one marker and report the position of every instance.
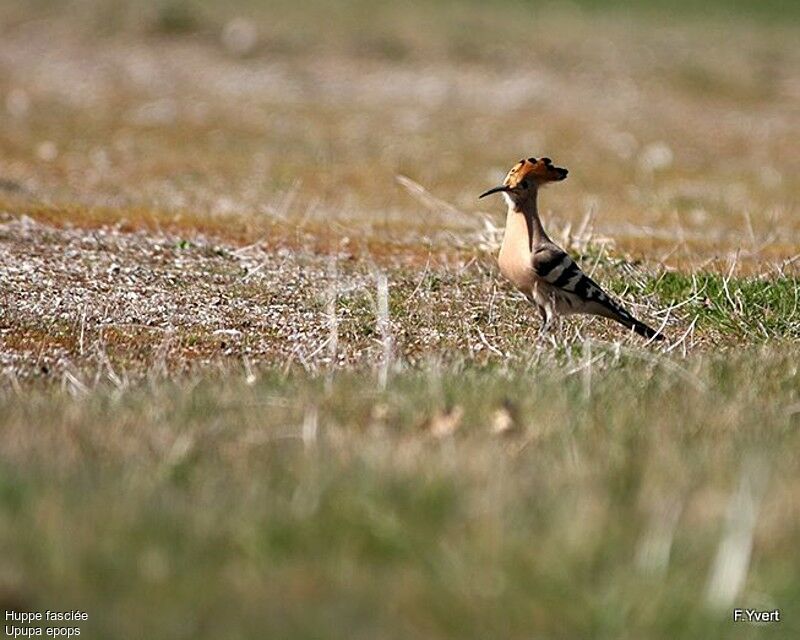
(538, 267)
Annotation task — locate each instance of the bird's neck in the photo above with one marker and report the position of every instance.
(523, 224)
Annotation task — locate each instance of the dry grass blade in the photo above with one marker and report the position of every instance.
(430, 201)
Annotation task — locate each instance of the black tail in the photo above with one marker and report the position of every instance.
(623, 317)
(643, 330)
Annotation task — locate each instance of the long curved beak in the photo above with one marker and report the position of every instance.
(501, 189)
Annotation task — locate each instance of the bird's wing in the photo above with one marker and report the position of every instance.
(584, 295)
(558, 269)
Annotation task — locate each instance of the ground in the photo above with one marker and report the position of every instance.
(261, 376)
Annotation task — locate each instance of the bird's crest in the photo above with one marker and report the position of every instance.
(541, 171)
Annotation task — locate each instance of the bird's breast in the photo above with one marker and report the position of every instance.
(515, 265)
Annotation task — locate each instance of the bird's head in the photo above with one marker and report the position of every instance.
(526, 177)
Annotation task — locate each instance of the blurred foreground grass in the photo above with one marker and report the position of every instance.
(595, 493)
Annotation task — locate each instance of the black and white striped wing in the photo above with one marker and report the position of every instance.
(583, 294)
(558, 269)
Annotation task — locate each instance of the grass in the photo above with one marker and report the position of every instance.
(757, 309)
(259, 376)
(288, 134)
(332, 510)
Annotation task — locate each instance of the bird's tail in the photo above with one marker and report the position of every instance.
(643, 330)
(618, 313)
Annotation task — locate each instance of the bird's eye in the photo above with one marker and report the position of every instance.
(524, 184)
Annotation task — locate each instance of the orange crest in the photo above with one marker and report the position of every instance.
(540, 171)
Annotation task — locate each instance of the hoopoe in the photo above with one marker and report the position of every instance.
(537, 266)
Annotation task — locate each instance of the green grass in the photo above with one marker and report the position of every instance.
(201, 510)
(754, 309)
(758, 309)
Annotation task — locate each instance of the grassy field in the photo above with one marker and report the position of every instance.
(261, 377)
